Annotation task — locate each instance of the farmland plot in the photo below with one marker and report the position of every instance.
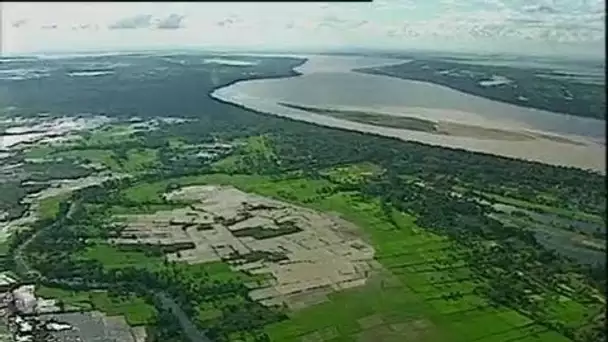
(300, 250)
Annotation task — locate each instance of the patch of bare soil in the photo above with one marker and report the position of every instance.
(304, 253)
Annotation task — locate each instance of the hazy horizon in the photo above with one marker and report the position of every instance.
(526, 28)
(310, 52)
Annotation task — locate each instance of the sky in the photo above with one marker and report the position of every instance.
(554, 27)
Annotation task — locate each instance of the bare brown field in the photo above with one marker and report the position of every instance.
(306, 254)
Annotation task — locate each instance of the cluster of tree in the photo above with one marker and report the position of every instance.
(305, 147)
(138, 90)
(11, 194)
(518, 271)
(49, 170)
(299, 145)
(462, 218)
(575, 189)
(311, 149)
(31, 179)
(261, 232)
(167, 328)
(54, 254)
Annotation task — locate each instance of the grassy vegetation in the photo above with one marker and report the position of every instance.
(4, 248)
(5, 259)
(78, 299)
(231, 163)
(425, 291)
(352, 174)
(106, 158)
(147, 192)
(113, 257)
(177, 143)
(291, 190)
(100, 147)
(577, 215)
(194, 276)
(254, 153)
(139, 160)
(48, 208)
(152, 192)
(39, 151)
(109, 134)
(409, 294)
(10, 201)
(90, 146)
(135, 309)
(219, 271)
(424, 286)
(134, 160)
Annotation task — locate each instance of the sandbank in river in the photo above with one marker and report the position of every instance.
(462, 121)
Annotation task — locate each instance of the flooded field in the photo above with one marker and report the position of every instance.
(20, 130)
(577, 239)
(328, 82)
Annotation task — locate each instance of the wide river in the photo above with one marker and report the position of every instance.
(330, 82)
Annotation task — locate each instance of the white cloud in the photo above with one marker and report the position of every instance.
(19, 23)
(449, 24)
(171, 22)
(135, 22)
(48, 26)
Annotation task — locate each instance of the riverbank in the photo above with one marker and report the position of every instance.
(331, 86)
(567, 89)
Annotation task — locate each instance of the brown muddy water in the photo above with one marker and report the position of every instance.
(329, 82)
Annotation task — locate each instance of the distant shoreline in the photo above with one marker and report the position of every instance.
(548, 101)
(545, 148)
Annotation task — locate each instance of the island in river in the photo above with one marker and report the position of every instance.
(421, 125)
(329, 83)
(576, 88)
